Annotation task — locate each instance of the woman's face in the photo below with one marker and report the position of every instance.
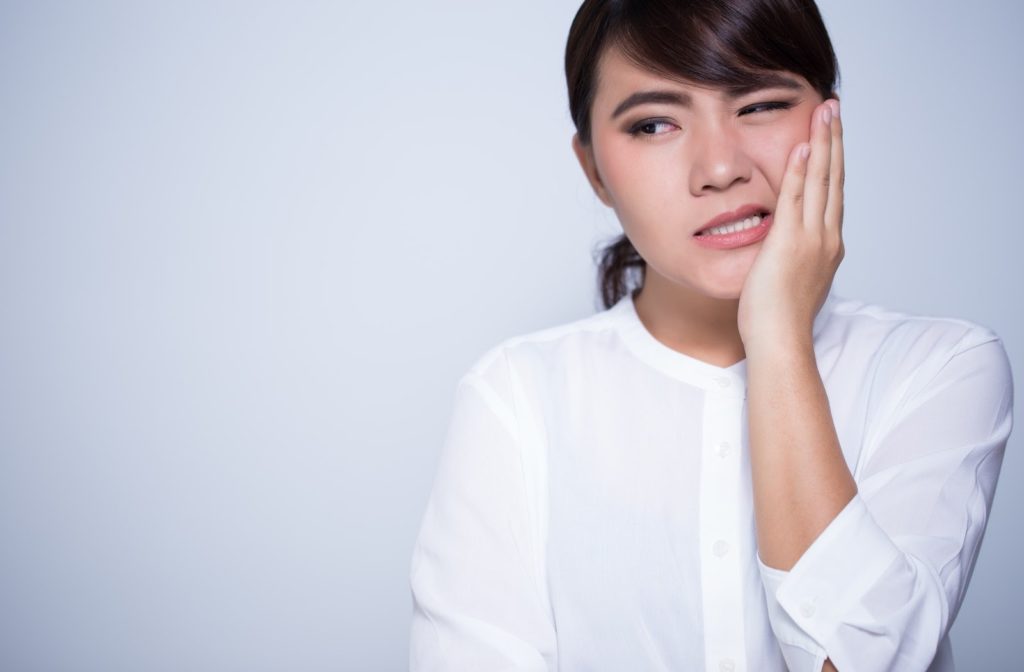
(671, 165)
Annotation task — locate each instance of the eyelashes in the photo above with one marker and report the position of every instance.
(640, 129)
(766, 107)
(637, 129)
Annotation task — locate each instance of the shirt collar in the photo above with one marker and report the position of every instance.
(730, 380)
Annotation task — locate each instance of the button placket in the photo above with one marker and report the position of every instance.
(721, 566)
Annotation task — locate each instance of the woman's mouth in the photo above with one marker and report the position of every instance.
(740, 233)
(742, 225)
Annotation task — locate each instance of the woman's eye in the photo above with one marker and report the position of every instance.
(649, 127)
(766, 107)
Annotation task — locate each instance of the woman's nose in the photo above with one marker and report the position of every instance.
(719, 161)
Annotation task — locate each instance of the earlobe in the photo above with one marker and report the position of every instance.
(585, 155)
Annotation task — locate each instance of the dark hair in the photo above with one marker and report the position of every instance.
(725, 43)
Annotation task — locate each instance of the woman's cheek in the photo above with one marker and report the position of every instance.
(626, 182)
(773, 156)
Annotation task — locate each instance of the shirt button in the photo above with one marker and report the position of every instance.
(723, 382)
(720, 548)
(807, 608)
(722, 450)
(727, 665)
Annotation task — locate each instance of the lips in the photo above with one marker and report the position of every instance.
(734, 216)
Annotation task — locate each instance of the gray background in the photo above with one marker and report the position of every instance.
(246, 250)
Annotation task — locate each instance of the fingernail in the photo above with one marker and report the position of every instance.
(834, 104)
(826, 115)
(805, 151)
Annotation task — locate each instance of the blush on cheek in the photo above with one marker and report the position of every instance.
(772, 157)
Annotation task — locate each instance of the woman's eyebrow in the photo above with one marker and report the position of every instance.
(767, 81)
(641, 97)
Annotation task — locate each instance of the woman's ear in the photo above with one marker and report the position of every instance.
(585, 155)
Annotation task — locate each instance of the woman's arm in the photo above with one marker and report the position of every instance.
(867, 573)
(479, 602)
(797, 491)
(800, 477)
(877, 585)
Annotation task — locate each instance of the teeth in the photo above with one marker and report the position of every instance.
(748, 223)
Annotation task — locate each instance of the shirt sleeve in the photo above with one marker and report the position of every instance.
(478, 601)
(880, 586)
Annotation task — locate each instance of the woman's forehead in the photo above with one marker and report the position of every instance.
(616, 71)
(618, 77)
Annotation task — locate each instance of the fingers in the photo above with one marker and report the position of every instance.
(834, 209)
(790, 207)
(819, 168)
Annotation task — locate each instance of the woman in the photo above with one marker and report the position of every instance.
(730, 467)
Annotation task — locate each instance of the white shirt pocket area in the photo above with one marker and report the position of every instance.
(881, 585)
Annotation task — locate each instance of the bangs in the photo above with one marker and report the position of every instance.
(738, 46)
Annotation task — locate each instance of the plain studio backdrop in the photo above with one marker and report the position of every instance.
(247, 249)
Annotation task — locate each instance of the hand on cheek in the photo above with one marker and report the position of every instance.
(792, 274)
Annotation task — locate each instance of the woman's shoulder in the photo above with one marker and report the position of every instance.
(547, 348)
(899, 348)
(858, 319)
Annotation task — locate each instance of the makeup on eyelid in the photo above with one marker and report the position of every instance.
(635, 129)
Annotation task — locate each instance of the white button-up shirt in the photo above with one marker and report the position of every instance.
(593, 511)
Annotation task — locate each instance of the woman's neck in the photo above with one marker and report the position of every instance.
(694, 324)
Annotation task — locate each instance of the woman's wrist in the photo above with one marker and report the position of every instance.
(786, 345)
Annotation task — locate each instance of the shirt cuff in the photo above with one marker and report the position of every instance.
(807, 604)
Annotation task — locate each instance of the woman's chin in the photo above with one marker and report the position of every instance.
(725, 287)
(728, 282)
